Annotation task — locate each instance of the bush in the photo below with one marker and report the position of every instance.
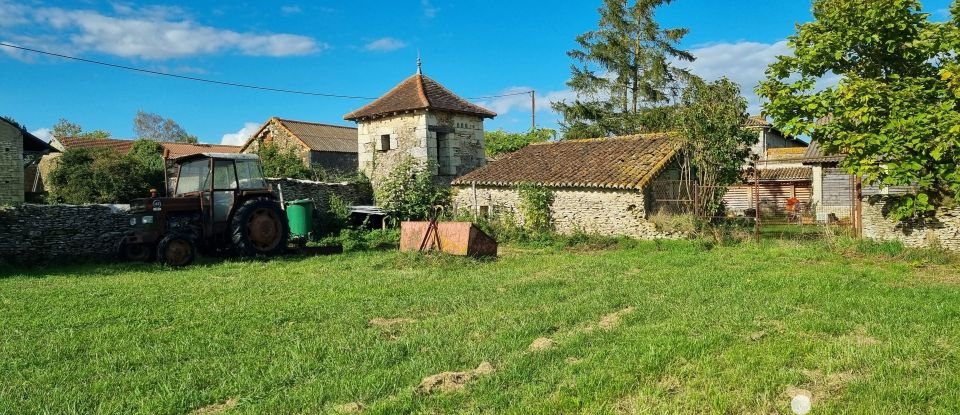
(354, 240)
(535, 202)
(333, 220)
(98, 175)
(409, 193)
(282, 162)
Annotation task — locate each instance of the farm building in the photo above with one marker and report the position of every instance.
(332, 148)
(19, 153)
(599, 185)
(422, 119)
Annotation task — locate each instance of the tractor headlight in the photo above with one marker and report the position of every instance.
(147, 220)
(133, 221)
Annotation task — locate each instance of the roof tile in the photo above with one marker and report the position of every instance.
(416, 93)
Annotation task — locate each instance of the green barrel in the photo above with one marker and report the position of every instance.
(300, 216)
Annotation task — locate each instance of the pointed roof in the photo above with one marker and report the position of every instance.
(418, 92)
(313, 135)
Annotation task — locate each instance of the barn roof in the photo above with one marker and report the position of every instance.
(173, 150)
(816, 155)
(315, 136)
(783, 174)
(628, 162)
(418, 92)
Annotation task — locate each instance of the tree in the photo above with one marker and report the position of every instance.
(710, 120)
(98, 175)
(625, 71)
(893, 112)
(154, 127)
(282, 162)
(66, 129)
(409, 193)
(500, 142)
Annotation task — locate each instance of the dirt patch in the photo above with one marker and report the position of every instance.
(860, 337)
(541, 344)
(451, 381)
(349, 408)
(390, 322)
(669, 383)
(756, 336)
(217, 408)
(612, 320)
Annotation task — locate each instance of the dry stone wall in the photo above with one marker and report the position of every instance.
(319, 192)
(58, 233)
(601, 211)
(943, 232)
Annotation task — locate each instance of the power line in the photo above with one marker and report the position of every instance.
(213, 81)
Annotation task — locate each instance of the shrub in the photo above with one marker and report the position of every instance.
(334, 219)
(409, 193)
(98, 175)
(535, 201)
(282, 162)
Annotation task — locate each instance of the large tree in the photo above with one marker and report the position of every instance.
(623, 77)
(150, 126)
(894, 110)
(66, 129)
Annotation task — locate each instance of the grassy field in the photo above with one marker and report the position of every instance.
(672, 327)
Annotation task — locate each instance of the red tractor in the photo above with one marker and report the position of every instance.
(218, 204)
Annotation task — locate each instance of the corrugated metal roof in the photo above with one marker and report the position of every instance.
(628, 162)
(323, 137)
(816, 155)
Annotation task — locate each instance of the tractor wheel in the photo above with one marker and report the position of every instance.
(259, 227)
(134, 252)
(176, 251)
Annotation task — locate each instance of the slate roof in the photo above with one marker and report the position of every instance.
(123, 146)
(628, 162)
(816, 155)
(418, 92)
(784, 174)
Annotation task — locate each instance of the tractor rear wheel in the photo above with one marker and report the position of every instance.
(176, 251)
(259, 227)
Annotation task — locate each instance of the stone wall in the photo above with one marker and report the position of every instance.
(57, 233)
(602, 211)
(407, 138)
(274, 133)
(11, 164)
(319, 192)
(944, 231)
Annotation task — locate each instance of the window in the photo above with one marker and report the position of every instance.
(385, 142)
(194, 177)
(249, 175)
(224, 174)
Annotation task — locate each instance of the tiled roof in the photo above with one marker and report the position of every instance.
(124, 146)
(628, 162)
(416, 93)
(73, 143)
(758, 121)
(816, 155)
(323, 137)
(183, 149)
(782, 174)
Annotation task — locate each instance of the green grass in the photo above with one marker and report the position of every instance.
(866, 328)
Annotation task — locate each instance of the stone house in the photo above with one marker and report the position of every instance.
(332, 148)
(19, 153)
(422, 119)
(599, 185)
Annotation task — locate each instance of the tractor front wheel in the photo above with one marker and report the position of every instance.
(259, 227)
(176, 251)
(134, 252)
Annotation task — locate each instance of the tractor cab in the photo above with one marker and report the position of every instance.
(218, 203)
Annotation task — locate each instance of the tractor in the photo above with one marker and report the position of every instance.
(218, 204)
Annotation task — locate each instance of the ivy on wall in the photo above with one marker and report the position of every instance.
(535, 202)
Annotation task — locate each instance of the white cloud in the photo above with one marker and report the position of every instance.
(517, 100)
(291, 9)
(44, 134)
(742, 62)
(240, 137)
(429, 11)
(14, 14)
(385, 44)
(158, 32)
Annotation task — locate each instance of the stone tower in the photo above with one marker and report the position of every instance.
(422, 119)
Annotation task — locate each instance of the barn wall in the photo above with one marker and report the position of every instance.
(11, 164)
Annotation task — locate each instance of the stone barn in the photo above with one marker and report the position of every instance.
(599, 186)
(332, 148)
(422, 119)
(20, 152)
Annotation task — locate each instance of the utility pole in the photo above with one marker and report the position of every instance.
(533, 110)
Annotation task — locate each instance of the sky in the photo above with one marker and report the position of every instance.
(359, 48)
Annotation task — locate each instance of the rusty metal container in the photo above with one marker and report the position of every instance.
(455, 238)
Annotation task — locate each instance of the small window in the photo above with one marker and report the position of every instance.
(385, 142)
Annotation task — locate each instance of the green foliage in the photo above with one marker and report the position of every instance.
(64, 128)
(710, 121)
(500, 142)
(355, 240)
(625, 70)
(154, 127)
(104, 176)
(335, 219)
(282, 162)
(14, 122)
(893, 111)
(409, 193)
(535, 202)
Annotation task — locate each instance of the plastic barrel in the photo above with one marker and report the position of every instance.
(300, 217)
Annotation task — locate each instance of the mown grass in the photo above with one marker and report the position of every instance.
(866, 328)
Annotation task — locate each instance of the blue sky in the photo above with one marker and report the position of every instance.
(359, 48)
